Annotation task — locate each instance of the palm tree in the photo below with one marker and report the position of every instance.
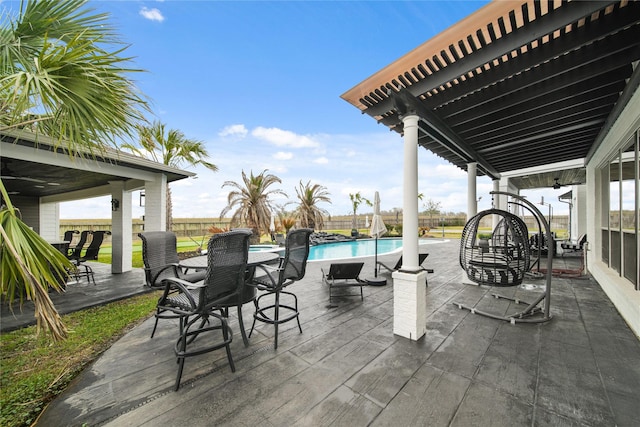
(356, 200)
(171, 148)
(251, 198)
(57, 77)
(309, 213)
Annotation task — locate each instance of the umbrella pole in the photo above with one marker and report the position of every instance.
(375, 265)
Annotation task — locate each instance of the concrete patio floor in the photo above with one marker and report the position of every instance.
(347, 368)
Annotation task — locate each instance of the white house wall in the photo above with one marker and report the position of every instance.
(620, 291)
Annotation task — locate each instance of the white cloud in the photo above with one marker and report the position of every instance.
(234, 130)
(283, 138)
(283, 155)
(449, 171)
(321, 161)
(152, 14)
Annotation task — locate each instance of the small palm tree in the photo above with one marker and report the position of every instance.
(57, 77)
(251, 200)
(356, 200)
(171, 148)
(309, 213)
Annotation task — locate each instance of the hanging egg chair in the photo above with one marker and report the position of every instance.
(501, 260)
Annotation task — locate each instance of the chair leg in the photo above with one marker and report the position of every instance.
(255, 302)
(276, 317)
(241, 325)
(180, 361)
(155, 325)
(225, 334)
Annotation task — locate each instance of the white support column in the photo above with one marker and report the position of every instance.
(121, 229)
(472, 197)
(409, 284)
(498, 203)
(49, 221)
(155, 204)
(410, 195)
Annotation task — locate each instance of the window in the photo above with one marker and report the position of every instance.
(620, 239)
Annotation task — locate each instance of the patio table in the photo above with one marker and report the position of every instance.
(255, 258)
(248, 292)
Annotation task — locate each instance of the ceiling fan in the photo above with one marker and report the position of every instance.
(9, 174)
(556, 185)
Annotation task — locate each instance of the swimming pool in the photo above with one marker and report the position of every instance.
(347, 249)
(357, 248)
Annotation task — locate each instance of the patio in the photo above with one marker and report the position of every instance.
(347, 367)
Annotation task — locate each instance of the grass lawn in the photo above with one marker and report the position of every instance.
(33, 369)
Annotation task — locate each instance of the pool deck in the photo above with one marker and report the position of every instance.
(347, 368)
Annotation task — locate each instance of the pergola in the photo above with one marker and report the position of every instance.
(521, 90)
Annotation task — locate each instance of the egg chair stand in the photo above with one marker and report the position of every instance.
(505, 261)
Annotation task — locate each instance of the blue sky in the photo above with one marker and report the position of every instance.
(260, 84)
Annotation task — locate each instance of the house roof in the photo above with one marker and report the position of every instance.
(515, 86)
(35, 166)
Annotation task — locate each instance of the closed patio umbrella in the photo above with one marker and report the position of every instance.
(378, 228)
(272, 227)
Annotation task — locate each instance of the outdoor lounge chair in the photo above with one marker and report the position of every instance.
(342, 275)
(421, 259)
(76, 251)
(273, 280)
(91, 254)
(68, 237)
(193, 304)
(574, 246)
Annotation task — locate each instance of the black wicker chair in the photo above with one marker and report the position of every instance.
(273, 280)
(227, 255)
(160, 258)
(91, 254)
(76, 251)
(507, 258)
(68, 237)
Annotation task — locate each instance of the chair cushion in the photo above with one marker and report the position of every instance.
(195, 276)
(180, 300)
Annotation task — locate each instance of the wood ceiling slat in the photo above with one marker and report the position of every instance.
(528, 86)
(481, 39)
(537, 7)
(430, 66)
(445, 58)
(472, 44)
(597, 52)
(525, 13)
(530, 130)
(512, 21)
(423, 70)
(436, 60)
(590, 101)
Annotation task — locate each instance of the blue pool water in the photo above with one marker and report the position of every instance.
(348, 249)
(356, 248)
